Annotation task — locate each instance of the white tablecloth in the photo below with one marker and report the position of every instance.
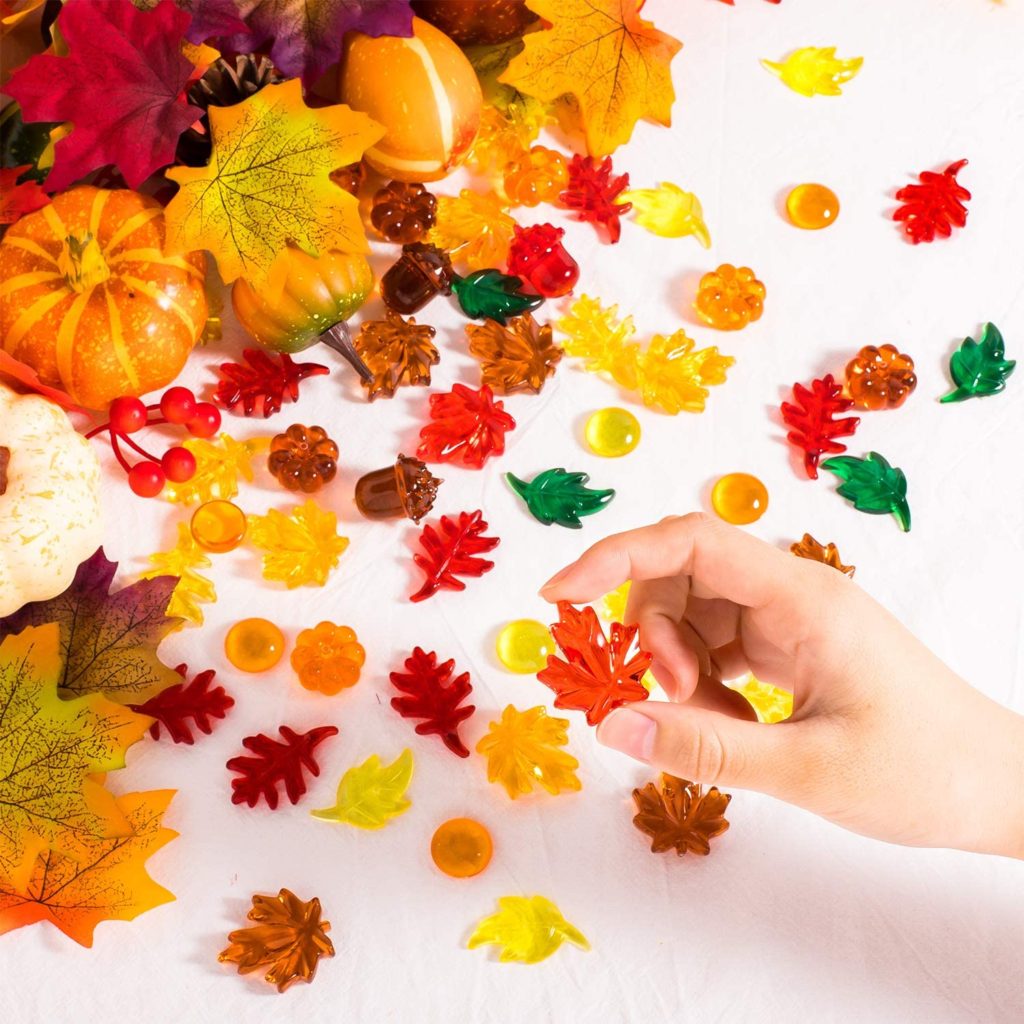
(790, 919)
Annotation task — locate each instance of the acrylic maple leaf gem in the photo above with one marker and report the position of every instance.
(492, 295)
(51, 751)
(108, 639)
(132, 61)
(934, 206)
(268, 183)
(288, 937)
(473, 228)
(596, 335)
(558, 496)
(681, 816)
(192, 587)
(528, 929)
(979, 368)
(812, 420)
(872, 485)
(263, 383)
(219, 465)
(17, 200)
(301, 548)
(815, 70)
(430, 693)
(197, 701)
(522, 752)
(807, 547)
(519, 356)
(93, 879)
(604, 54)
(771, 703)
(674, 376)
(371, 794)
(668, 211)
(275, 763)
(595, 194)
(396, 351)
(452, 550)
(466, 427)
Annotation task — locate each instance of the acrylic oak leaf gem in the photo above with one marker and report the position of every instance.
(220, 464)
(681, 816)
(263, 383)
(522, 751)
(275, 763)
(558, 496)
(371, 794)
(815, 70)
(527, 929)
(93, 879)
(396, 351)
(872, 485)
(268, 183)
(430, 693)
(451, 550)
(668, 211)
(979, 368)
(603, 53)
(17, 200)
(813, 423)
(934, 206)
(184, 705)
(597, 673)
(473, 228)
(466, 427)
(192, 587)
(492, 295)
(287, 939)
(108, 638)
(519, 356)
(827, 554)
(301, 548)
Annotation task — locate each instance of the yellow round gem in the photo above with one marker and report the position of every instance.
(461, 847)
(254, 645)
(739, 498)
(218, 526)
(612, 432)
(524, 645)
(812, 207)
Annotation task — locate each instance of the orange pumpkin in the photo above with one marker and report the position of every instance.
(91, 302)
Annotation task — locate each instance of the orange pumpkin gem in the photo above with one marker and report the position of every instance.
(90, 301)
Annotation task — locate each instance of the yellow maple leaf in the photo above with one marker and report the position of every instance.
(268, 183)
(302, 547)
(668, 211)
(219, 464)
(473, 227)
(604, 54)
(595, 333)
(674, 376)
(815, 70)
(527, 928)
(182, 561)
(371, 793)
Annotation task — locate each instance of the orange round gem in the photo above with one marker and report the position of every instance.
(461, 847)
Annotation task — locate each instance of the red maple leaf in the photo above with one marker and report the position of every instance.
(468, 427)
(173, 707)
(451, 551)
(274, 763)
(814, 427)
(935, 206)
(435, 697)
(592, 192)
(599, 673)
(262, 386)
(122, 85)
(17, 200)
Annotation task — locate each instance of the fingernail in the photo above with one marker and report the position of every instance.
(557, 578)
(629, 732)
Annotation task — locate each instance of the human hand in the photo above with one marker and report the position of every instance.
(884, 739)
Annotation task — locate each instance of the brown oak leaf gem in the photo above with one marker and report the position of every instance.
(517, 357)
(681, 816)
(827, 554)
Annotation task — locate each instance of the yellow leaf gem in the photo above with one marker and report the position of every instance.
(302, 547)
(371, 794)
(815, 70)
(182, 561)
(771, 703)
(668, 211)
(473, 227)
(527, 928)
(219, 464)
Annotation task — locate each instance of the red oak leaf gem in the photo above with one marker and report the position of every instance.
(813, 422)
(433, 695)
(451, 551)
(935, 206)
(174, 707)
(275, 763)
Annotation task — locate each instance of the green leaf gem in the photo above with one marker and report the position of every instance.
(557, 496)
(978, 367)
(493, 295)
(872, 485)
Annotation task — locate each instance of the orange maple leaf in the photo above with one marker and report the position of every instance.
(682, 816)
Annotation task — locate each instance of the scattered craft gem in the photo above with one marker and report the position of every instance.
(451, 550)
(328, 658)
(274, 763)
(403, 212)
(537, 255)
(254, 645)
(880, 378)
(771, 703)
(492, 295)
(198, 700)
(371, 794)
(935, 206)
(558, 496)
(739, 498)
(397, 352)
(668, 211)
(524, 645)
(407, 488)
(431, 694)
(303, 458)
(681, 816)
(872, 485)
(813, 421)
(527, 929)
(730, 297)
(218, 526)
(593, 194)
(815, 70)
(827, 554)
(467, 426)
(612, 432)
(519, 356)
(302, 547)
(540, 175)
(979, 368)
(461, 848)
(812, 207)
(420, 273)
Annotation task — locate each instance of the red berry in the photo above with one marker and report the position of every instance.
(178, 405)
(205, 421)
(146, 479)
(127, 415)
(179, 464)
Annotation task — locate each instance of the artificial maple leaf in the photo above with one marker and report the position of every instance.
(682, 816)
(288, 937)
(522, 752)
(219, 464)
(172, 708)
(50, 752)
(812, 420)
(604, 54)
(262, 384)
(433, 695)
(268, 183)
(93, 879)
(595, 194)
(371, 794)
(131, 62)
(808, 547)
(596, 335)
(598, 673)
(527, 928)
(671, 376)
(396, 351)
(933, 207)
(275, 763)
(108, 640)
(467, 427)
(192, 587)
(17, 200)
(302, 547)
(474, 228)
(517, 356)
(451, 551)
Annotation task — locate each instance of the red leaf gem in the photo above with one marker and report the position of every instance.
(813, 423)
(451, 552)
(435, 697)
(173, 707)
(592, 191)
(599, 673)
(468, 427)
(17, 200)
(275, 762)
(935, 206)
(262, 386)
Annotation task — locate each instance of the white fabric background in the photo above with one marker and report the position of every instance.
(790, 918)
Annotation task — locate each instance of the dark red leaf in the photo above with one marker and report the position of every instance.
(262, 386)
(276, 763)
(17, 200)
(435, 697)
(592, 191)
(451, 551)
(172, 708)
(468, 427)
(935, 206)
(813, 422)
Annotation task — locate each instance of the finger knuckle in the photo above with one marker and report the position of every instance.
(702, 755)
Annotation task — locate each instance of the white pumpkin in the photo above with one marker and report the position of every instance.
(49, 500)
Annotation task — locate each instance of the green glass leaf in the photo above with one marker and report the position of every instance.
(557, 496)
(493, 295)
(978, 367)
(872, 485)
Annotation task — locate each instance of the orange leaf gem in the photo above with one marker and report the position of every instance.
(827, 554)
(681, 816)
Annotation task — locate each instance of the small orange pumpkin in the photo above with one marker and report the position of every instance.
(91, 302)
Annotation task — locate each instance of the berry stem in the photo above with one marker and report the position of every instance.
(128, 441)
(116, 449)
